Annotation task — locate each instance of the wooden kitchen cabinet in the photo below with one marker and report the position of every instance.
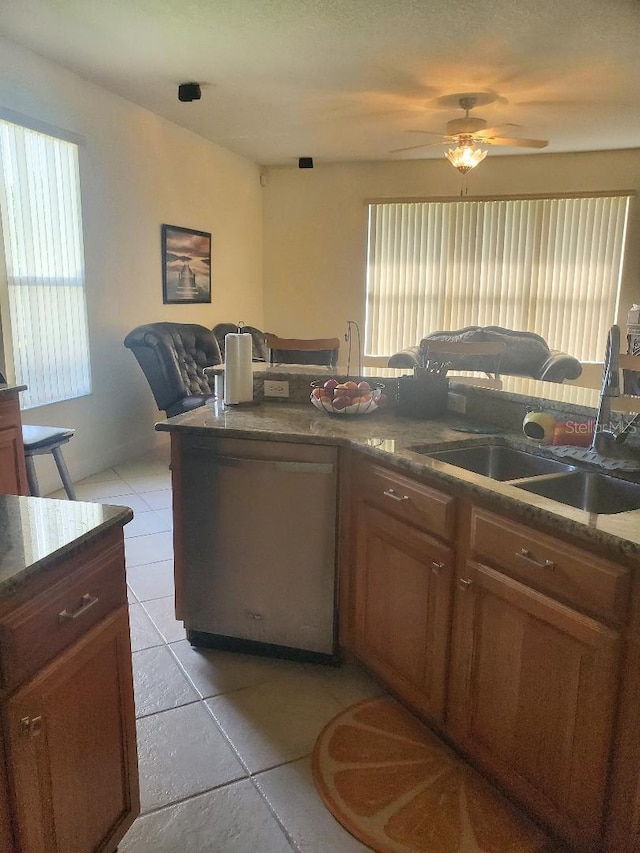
(401, 596)
(402, 608)
(533, 697)
(13, 473)
(67, 711)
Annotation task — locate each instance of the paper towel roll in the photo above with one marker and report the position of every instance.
(238, 369)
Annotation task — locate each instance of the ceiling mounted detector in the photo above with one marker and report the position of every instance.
(468, 133)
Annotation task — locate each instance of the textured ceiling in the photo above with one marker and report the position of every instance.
(343, 80)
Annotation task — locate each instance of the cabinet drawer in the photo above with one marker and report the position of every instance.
(421, 505)
(9, 413)
(34, 633)
(569, 573)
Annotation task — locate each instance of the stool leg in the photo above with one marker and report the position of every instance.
(32, 479)
(64, 473)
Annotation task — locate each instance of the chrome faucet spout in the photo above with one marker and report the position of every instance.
(604, 435)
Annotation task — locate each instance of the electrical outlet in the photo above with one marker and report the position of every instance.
(456, 403)
(276, 389)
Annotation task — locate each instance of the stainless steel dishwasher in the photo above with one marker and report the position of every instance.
(258, 531)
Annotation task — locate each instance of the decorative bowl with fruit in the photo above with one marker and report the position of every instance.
(347, 397)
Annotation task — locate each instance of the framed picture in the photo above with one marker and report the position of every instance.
(186, 265)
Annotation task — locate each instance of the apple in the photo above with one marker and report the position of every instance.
(330, 384)
(364, 387)
(341, 402)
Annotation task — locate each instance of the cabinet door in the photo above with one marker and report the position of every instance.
(70, 738)
(402, 607)
(13, 478)
(532, 698)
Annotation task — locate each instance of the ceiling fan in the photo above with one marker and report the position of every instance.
(467, 133)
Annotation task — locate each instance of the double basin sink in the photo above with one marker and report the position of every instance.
(586, 490)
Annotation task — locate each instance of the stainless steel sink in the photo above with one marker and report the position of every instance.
(497, 462)
(588, 491)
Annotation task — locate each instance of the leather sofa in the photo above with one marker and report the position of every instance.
(173, 357)
(526, 354)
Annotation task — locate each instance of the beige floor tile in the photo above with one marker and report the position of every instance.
(149, 482)
(143, 631)
(158, 682)
(103, 492)
(160, 499)
(348, 683)
(135, 502)
(99, 477)
(214, 672)
(148, 549)
(162, 613)
(151, 580)
(130, 596)
(145, 523)
(181, 752)
(233, 819)
(167, 516)
(290, 792)
(277, 721)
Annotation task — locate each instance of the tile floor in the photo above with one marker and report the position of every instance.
(224, 740)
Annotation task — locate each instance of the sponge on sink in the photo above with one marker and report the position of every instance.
(575, 433)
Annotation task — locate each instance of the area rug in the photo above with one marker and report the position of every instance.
(397, 788)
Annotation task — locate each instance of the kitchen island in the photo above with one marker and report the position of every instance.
(508, 621)
(68, 766)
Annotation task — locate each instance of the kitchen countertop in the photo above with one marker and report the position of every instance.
(389, 438)
(36, 532)
(5, 389)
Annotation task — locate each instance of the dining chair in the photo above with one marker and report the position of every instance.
(322, 351)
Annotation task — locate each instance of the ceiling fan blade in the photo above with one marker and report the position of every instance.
(499, 128)
(413, 147)
(518, 143)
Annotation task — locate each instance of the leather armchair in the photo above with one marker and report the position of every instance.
(173, 357)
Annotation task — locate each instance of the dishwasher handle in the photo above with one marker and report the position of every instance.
(282, 465)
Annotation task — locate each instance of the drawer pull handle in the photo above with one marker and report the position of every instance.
(391, 494)
(464, 583)
(528, 557)
(87, 600)
(31, 726)
(436, 567)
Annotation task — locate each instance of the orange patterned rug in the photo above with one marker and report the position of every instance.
(395, 786)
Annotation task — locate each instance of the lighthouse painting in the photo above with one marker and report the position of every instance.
(186, 265)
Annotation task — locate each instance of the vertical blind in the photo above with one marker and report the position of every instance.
(42, 230)
(546, 265)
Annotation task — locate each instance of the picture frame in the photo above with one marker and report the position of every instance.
(186, 265)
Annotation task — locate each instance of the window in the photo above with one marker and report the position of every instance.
(42, 230)
(546, 265)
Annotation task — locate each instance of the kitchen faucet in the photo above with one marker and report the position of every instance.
(604, 436)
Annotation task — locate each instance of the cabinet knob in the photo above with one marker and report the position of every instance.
(464, 583)
(436, 567)
(86, 603)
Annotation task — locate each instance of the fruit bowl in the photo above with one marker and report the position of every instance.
(347, 397)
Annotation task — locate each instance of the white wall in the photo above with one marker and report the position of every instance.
(315, 224)
(137, 172)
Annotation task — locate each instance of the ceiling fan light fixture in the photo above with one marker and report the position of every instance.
(465, 156)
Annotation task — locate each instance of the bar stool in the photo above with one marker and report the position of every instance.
(39, 440)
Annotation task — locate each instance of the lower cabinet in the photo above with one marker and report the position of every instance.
(521, 649)
(402, 607)
(533, 696)
(13, 473)
(70, 744)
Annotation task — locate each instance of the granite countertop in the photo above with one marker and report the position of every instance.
(389, 438)
(36, 532)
